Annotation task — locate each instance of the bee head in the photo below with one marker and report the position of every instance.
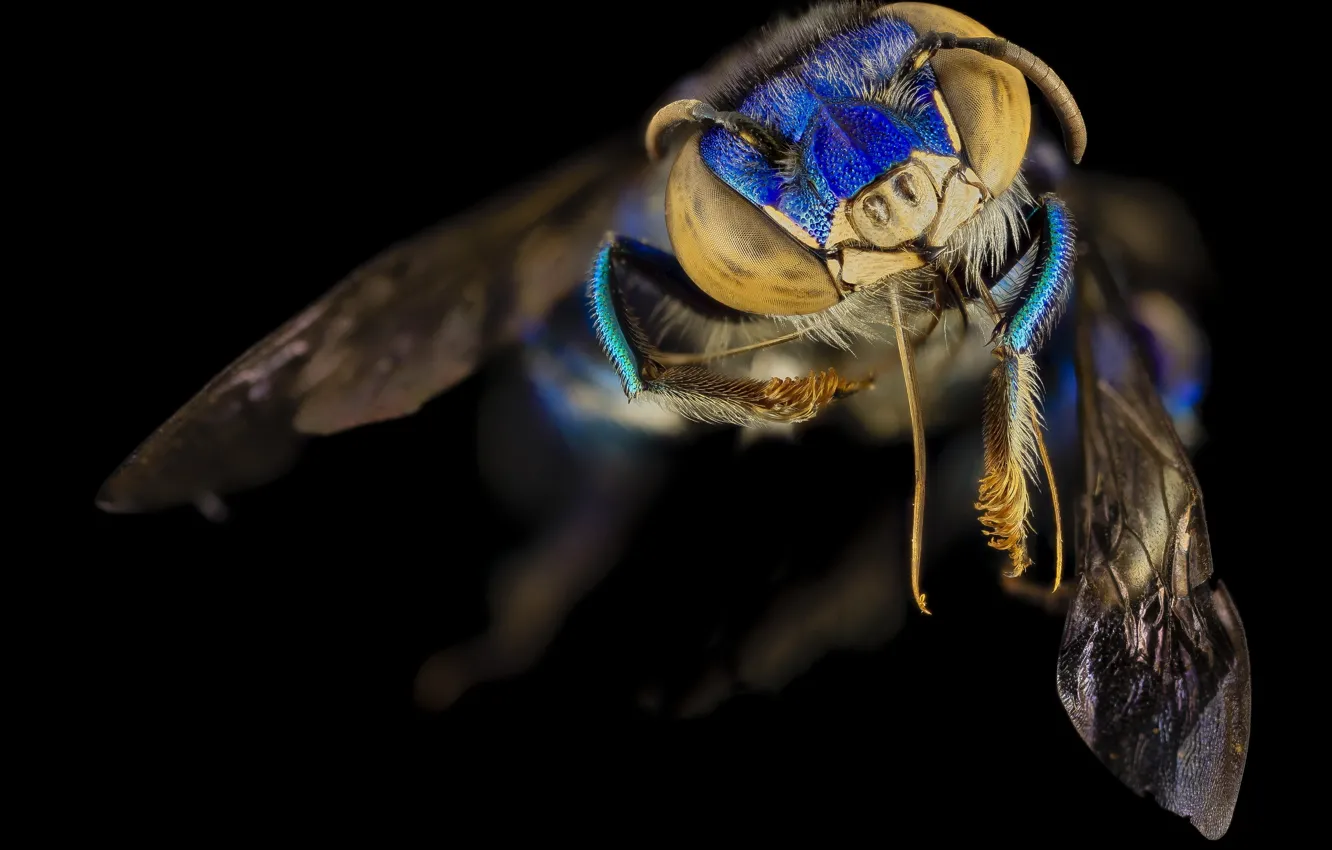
(879, 167)
(761, 241)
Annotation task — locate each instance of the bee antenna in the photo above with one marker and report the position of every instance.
(680, 112)
(1042, 76)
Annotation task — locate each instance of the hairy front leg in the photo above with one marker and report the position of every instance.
(690, 388)
(1014, 444)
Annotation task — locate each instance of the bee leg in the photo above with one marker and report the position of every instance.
(856, 604)
(692, 389)
(533, 591)
(581, 483)
(1013, 426)
(1035, 593)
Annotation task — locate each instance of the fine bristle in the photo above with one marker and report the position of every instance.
(780, 44)
(1011, 419)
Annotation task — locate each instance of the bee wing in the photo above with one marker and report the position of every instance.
(404, 327)
(1153, 668)
(1144, 227)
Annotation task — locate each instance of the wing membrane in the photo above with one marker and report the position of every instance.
(1154, 668)
(404, 327)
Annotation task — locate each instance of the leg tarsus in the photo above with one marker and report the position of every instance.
(1038, 593)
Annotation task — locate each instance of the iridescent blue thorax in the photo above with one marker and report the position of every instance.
(848, 124)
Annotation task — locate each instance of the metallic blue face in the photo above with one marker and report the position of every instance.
(833, 107)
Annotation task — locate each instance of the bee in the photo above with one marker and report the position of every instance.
(849, 203)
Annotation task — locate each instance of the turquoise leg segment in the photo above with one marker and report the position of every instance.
(601, 294)
(1042, 301)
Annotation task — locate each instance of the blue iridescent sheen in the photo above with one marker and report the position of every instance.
(1061, 407)
(1182, 385)
(1183, 397)
(852, 143)
(607, 324)
(829, 105)
(1179, 378)
(568, 374)
(1045, 296)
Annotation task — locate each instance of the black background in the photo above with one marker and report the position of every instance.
(272, 657)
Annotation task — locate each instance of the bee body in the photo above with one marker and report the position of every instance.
(849, 215)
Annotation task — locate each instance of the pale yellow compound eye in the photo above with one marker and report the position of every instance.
(896, 208)
(734, 252)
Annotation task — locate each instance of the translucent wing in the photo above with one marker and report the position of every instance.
(1151, 231)
(1153, 669)
(404, 327)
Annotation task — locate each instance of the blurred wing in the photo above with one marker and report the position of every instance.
(1143, 228)
(1154, 668)
(399, 330)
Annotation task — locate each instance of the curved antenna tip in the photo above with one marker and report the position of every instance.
(667, 118)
